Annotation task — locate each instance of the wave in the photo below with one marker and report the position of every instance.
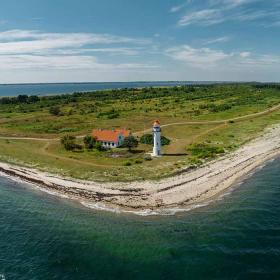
(144, 212)
(36, 186)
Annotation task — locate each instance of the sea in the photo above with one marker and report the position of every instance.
(63, 88)
(236, 236)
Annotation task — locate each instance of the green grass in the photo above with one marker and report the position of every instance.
(135, 109)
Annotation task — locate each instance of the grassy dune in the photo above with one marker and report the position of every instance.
(135, 109)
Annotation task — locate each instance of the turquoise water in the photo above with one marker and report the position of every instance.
(238, 237)
(59, 88)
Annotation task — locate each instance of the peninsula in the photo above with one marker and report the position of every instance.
(213, 135)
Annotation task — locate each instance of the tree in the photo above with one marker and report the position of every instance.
(164, 141)
(89, 142)
(33, 99)
(55, 110)
(130, 142)
(149, 140)
(22, 98)
(98, 146)
(69, 143)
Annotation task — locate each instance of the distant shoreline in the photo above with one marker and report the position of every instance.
(177, 193)
(127, 82)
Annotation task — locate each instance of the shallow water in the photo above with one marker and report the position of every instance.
(237, 237)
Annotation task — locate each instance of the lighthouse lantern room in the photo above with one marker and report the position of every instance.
(157, 139)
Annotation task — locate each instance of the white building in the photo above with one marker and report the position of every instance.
(157, 139)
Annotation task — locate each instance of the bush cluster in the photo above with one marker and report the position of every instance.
(149, 140)
(204, 151)
(216, 108)
(111, 114)
(130, 142)
(69, 143)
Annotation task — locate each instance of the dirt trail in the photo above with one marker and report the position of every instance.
(241, 118)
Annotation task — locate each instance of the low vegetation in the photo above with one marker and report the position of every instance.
(69, 143)
(130, 142)
(205, 151)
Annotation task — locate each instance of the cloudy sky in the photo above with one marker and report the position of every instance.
(133, 40)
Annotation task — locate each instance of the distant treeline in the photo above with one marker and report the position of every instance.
(268, 85)
(19, 99)
(189, 92)
(125, 93)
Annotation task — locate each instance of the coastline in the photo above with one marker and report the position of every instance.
(189, 190)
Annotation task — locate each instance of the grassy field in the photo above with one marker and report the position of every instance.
(203, 115)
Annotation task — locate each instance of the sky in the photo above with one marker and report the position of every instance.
(139, 40)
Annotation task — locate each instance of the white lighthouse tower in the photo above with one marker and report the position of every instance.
(157, 139)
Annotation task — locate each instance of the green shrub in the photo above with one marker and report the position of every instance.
(89, 142)
(98, 146)
(194, 161)
(111, 114)
(164, 141)
(204, 151)
(66, 129)
(149, 140)
(130, 142)
(69, 143)
(214, 108)
(127, 163)
(55, 110)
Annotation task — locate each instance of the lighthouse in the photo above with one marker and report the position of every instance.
(157, 139)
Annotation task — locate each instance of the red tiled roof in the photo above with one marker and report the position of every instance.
(124, 132)
(156, 122)
(109, 135)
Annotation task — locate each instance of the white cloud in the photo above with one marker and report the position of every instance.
(29, 49)
(217, 60)
(217, 40)
(232, 3)
(245, 54)
(83, 37)
(26, 41)
(201, 57)
(178, 8)
(202, 17)
(115, 51)
(68, 62)
(218, 11)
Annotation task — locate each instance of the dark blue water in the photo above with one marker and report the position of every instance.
(43, 237)
(59, 88)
